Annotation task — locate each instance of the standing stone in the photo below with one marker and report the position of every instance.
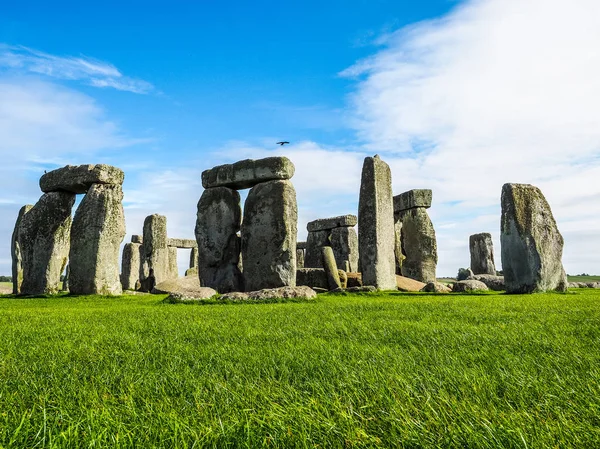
(218, 221)
(531, 244)
(482, 254)
(154, 248)
(173, 270)
(194, 258)
(269, 236)
(376, 225)
(130, 265)
(44, 240)
(331, 270)
(299, 258)
(65, 284)
(96, 235)
(344, 243)
(314, 242)
(419, 245)
(15, 250)
(398, 244)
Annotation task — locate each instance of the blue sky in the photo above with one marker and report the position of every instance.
(458, 96)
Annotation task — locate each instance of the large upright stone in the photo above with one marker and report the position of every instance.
(269, 236)
(15, 251)
(96, 235)
(482, 254)
(218, 222)
(299, 258)
(155, 252)
(314, 242)
(419, 245)
(173, 270)
(331, 269)
(323, 224)
(398, 244)
(344, 243)
(194, 257)
(247, 173)
(44, 240)
(130, 265)
(376, 225)
(531, 243)
(79, 178)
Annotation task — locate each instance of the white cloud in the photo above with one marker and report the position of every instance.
(95, 73)
(496, 91)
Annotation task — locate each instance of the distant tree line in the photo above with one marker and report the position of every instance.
(5, 279)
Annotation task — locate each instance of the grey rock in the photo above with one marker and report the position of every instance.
(188, 286)
(323, 224)
(482, 254)
(362, 289)
(194, 257)
(419, 245)
(137, 239)
(398, 254)
(344, 243)
(299, 258)
(532, 246)
(312, 277)
(247, 173)
(376, 225)
(44, 240)
(200, 295)
(301, 292)
(15, 250)
(173, 270)
(130, 265)
(353, 280)
(411, 199)
(269, 232)
(409, 285)
(436, 287)
(493, 282)
(330, 267)
(314, 242)
(96, 235)
(300, 245)
(182, 243)
(469, 286)
(218, 222)
(155, 252)
(79, 178)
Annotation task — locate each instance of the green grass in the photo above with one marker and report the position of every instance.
(389, 370)
(583, 278)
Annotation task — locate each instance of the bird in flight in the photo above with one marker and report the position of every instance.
(282, 143)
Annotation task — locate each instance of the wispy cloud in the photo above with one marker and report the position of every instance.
(90, 71)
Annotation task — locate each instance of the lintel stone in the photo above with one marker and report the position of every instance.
(182, 243)
(247, 173)
(324, 224)
(79, 178)
(411, 199)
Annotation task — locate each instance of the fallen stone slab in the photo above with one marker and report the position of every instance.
(247, 173)
(191, 297)
(189, 286)
(298, 292)
(79, 178)
(493, 282)
(324, 224)
(362, 289)
(182, 243)
(436, 287)
(408, 285)
(469, 286)
(412, 198)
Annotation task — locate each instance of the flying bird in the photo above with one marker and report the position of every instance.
(282, 143)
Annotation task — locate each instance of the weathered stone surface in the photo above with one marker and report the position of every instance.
(96, 235)
(344, 243)
(137, 239)
(194, 257)
(188, 286)
(482, 254)
(65, 284)
(376, 225)
(493, 282)
(269, 236)
(218, 222)
(300, 292)
(155, 252)
(299, 258)
(300, 245)
(79, 178)
(312, 277)
(411, 199)
(362, 289)
(405, 284)
(192, 272)
(314, 242)
(330, 267)
(191, 297)
(354, 280)
(130, 265)
(470, 285)
(182, 243)
(247, 173)
(44, 239)
(419, 245)
(435, 287)
(531, 244)
(15, 250)
(324, 224)
(343, 278)
(398, 244)
(173, 270)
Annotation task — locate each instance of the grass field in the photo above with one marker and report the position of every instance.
(389, 370)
